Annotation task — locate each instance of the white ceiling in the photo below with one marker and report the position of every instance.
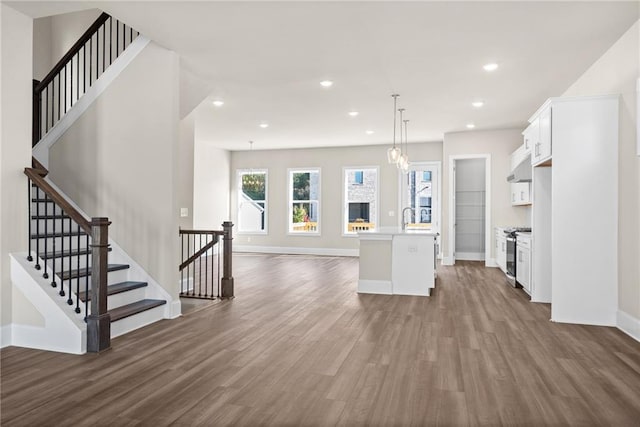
(266, 59)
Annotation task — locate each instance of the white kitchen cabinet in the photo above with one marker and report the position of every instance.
(531, 136)
(523, 261)
(520, 193)
(541, 149)
(501, 249)
(574, 263)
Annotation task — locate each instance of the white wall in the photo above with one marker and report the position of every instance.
(120, 160)
(54, 35)
(499, 144)
(15, 150)
(331, 161)
(184, 190)
(616, 72)
(211, 175)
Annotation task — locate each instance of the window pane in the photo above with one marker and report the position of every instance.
(253, 185)
(360, 209)
(301, 186)
(304, 201)
(252, 214)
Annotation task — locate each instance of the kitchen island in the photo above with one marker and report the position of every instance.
(397, 262)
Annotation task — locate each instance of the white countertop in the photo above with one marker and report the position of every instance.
(387, 233)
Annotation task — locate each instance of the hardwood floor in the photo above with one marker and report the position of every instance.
(299, 346)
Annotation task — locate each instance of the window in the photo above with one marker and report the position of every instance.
(360, 199)
(420, 193)
(252, 201)
(304, 201)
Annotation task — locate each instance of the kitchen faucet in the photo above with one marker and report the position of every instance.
(404, 223)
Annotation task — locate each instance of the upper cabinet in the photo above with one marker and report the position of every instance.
(538, 135)
(531, 135)
(520, 193)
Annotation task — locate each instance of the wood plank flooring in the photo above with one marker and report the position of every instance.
(299, 346)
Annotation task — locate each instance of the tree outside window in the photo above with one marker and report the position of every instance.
(252, 201)
(304, 201)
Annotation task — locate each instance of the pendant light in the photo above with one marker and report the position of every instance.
(402, 158)
(393, 153)
(405, 156)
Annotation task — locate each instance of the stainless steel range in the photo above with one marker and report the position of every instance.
(511, 233)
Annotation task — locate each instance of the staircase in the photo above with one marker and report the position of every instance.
(86, 292)
(62, 252)
(65, 263)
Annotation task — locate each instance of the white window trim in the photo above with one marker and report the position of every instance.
(343, 222)
(239, 173)
(316, 233)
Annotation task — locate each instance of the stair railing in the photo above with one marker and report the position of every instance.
(76, 72)
(60, 220)
(200, 272)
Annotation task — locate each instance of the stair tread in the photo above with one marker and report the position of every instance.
(119, 313)
(72, 252)
(50, 217)
(83, 272)
(116, 288)
(59, 234)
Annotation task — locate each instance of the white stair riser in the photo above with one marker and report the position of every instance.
(112, 278)
(139, 320)
(45, 209)
(39, 226)
(66, 241)
(123, 298)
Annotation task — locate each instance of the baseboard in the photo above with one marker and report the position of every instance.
(49, 339)
(41, 149)
(469, 256)
(384, 287)
(296, 251)
(491, 262)
(5, 336)
(628, 324)
(447, 260)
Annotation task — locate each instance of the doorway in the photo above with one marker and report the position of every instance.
(469, 208)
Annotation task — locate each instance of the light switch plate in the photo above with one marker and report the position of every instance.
(184, 212)
(392, 213)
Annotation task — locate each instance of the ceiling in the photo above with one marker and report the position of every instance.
(266, 59)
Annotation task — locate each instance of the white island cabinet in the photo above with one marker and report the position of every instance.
(397, 262)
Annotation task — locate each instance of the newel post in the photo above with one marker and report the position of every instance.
(227, 272)
(99, 321)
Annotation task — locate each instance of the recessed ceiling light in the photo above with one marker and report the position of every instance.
(369, 132)
(326, 83)
(490, 67)
(470, 126)
(264, 125)
(353, 113)
(218, 103)
(477, 104)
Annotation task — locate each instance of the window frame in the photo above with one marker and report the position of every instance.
(290, 202)
(344, 223)
(239, 174)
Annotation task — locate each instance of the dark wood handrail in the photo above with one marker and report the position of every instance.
(72, 51)
(196, 255)
(218, 232)
(37, 174)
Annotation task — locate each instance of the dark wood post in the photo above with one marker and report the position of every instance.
(99, 322)
(36, 119)
(227, 272)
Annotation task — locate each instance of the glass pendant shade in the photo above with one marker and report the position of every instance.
(393, 155)
(404, 163)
